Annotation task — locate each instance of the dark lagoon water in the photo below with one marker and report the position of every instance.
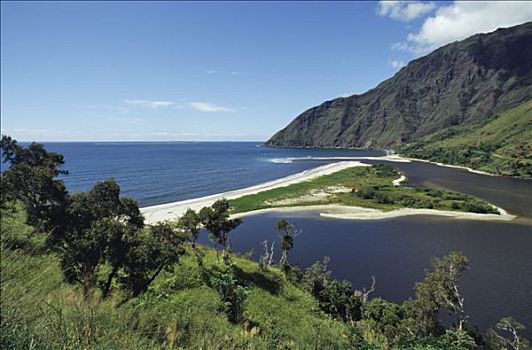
(396, 251)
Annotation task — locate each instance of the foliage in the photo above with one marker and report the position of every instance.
(288, 234)
(501, 145)
(439, 290)
(98, 227)
(507, 335)
(216, 220)
(98, 235)
(231, 294)
(150, 252)
(387, 317)
(190, 224)
(336, 298)
(369, 187)
(31, 179)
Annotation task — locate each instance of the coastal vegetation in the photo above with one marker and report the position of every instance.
(501, 145)
(369, 187)
(84, 271)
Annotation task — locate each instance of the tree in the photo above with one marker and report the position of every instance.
(190, 224)
(387, 317)
(31, 179)
(339, 300)
(266, 259)
(288, 235)
(216, 220)
(98, 235)
(35, 156)
(507, 335)
(334, 297)
(317, 276)
(98, 227)
(150, 252)
(439, 290)
(446, 273)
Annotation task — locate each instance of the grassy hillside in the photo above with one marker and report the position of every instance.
(184, 308)
(369, 187)
(503, 145)
(181, 310)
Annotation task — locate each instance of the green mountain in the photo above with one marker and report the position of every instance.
(502, 145)
(463, 83)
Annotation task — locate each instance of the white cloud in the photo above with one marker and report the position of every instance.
(235, 72)
(396, 64)
(463, 19)
(209, 107)
(150, 103)
(210, 71)
(404, 11)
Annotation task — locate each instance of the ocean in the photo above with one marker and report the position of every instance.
(163, 172)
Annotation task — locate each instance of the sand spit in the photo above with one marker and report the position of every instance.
(172, 211)
(359, 213)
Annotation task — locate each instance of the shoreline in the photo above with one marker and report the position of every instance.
(471, 170)
(392, 158)
(392, 154)
(173, 210)
(336, 211)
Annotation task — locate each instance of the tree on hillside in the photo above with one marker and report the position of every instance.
(507, 335)
(216, 220)
(288, 235)
(99, 226)
(190, 224)
(337, 298)
(34, 155)
(32, 180)
(150, 252)
(439, 290)
(98, 235)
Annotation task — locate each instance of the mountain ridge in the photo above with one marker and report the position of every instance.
(461, 83)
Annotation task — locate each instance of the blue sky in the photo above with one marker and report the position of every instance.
(207, 71)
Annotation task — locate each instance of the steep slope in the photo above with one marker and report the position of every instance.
(461, 83)
(502, 145)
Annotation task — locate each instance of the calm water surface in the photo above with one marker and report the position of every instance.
(156, 173)
(396, 252)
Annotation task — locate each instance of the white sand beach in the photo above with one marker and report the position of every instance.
(172, 211)
(359, 213)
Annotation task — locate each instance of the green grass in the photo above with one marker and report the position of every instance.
(180, 310)
(369, 187)
(502, 145)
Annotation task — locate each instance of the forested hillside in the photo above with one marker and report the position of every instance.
(502, 145)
